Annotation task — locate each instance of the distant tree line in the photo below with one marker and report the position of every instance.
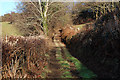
(94, 10)
(35, 18)
(9, 17)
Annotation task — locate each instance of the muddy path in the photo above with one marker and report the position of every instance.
(63, 65)
(54, 66)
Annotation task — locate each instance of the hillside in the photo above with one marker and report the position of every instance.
(9, 29)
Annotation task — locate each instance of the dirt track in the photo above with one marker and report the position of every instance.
(61, 64)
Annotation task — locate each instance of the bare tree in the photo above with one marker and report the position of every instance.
(42, 12)
(99, 8)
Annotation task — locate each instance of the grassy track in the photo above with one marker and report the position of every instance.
(65, 62)
(9, 29)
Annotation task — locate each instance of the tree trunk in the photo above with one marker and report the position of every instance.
(45, 26)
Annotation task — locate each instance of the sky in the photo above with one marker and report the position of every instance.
(7, 7)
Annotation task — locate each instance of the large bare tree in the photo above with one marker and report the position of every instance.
(43, 12)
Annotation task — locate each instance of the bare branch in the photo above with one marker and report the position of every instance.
(36, 15)
(50, 3)
(56, 12)
(41, 12)
(46, 9)
(36, 7)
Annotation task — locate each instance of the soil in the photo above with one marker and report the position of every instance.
(54, 66)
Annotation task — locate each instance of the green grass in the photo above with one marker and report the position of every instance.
(9, 29)
(81, 25)
(83, 71)
(64, 65)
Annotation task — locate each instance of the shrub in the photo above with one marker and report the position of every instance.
(24, 57)
(99, 48)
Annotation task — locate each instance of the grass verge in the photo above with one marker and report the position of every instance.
(10, 29)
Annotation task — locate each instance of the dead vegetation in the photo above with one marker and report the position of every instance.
(24, 57)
